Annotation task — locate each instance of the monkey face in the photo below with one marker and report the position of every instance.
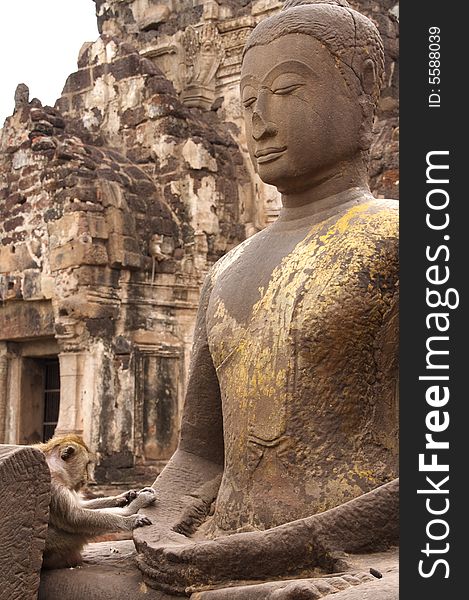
(77, 463)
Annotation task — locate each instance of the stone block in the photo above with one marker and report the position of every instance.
(25, 482)
(21, 320)
(82, 207)
(133, 116)
(63, 104)
(101, 327)
(110, 175)
(143, 187)
(13, 201)
(11, 224)
(78, 102)
(64, 229)
(119, 221)
(26, 183)
(110, 194)
(115, 249)
(128, 66)
(132, 260)
(86, 193)
(76, 253)
(97, 311)
(84, 54)
(15, 258)
(97, 276)
(10, 287)
(115, 220)
(97, 226)
(7, 259)
(47, 286)
(32, 285)
(123, 251)
(75, 224)
(52, 214)
(80, 80)
(160, 85)
(161, 106)
(131, 244)
(43, 127)
(148, 67)
(198, 157)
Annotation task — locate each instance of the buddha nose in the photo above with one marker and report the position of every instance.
(262, 128)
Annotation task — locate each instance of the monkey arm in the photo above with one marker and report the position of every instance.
(97, 503)
(110, 501)
(68, 515)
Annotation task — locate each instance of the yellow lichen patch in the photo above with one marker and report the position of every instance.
(341, 226)
(366, 474)
(254, 362)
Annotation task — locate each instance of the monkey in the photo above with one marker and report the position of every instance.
(74, 521)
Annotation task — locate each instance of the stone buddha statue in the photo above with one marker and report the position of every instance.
(286, 465)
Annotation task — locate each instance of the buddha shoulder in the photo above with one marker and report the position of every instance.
(372, 223)
(233, 256)
(385, 215)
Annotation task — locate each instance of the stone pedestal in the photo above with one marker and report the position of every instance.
(109, 572)
(24, 513)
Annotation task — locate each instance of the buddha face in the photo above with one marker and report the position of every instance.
(302, 122)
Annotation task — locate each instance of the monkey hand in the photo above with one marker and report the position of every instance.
(144, 498)
(145, 490)
(134, 521)
(126, 498)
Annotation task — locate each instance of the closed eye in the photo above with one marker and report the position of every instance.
(288, 89)
(248, 95)
(249, 101)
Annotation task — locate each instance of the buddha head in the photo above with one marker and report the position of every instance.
(310, 83)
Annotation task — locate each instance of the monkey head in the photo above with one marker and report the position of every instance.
(69, 460)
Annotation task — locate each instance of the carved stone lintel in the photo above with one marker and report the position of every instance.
(198, 96)
(203, 53)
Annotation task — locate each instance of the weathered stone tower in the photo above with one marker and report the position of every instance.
(113, 206)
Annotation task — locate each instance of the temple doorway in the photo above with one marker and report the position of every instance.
(39, 399)
(51, 397)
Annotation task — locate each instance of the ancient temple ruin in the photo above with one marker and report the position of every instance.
(113, 206)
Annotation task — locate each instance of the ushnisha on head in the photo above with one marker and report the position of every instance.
(310, 83)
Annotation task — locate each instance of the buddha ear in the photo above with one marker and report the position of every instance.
(368, 76)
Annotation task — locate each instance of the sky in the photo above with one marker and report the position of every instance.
(39, 45)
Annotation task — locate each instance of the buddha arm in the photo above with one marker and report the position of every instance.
(367, 523)
(190, 481)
